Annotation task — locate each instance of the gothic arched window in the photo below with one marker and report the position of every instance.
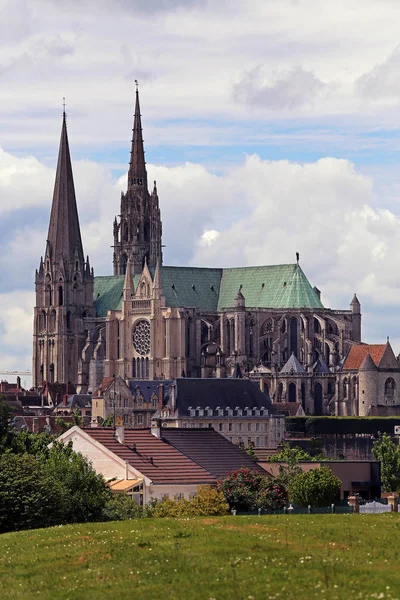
(124, 261)
(251, 338)
(60, 295)
(345, 384)
(293, 335)
(267, 327)
(42, 321)
(390, 387)
(68, 318)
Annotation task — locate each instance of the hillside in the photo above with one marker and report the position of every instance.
(279, 557)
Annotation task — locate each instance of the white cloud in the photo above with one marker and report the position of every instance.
(280, 89)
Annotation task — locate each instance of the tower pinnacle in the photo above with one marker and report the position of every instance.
(137, 175)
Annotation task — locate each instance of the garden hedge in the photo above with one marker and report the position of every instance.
(314, 426)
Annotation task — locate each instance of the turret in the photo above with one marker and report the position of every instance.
(355, 308)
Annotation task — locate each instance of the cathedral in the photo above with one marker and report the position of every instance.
(149, 321)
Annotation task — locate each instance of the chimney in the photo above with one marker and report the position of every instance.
(19, 382)
(160, 403)
(156, 428)
(172, 398)
(120, 434)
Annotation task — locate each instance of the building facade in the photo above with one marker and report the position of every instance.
(157, 322)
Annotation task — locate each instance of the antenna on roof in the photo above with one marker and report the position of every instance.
(297, 257)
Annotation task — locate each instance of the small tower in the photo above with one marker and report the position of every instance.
(138, 233)
(355, 308)
(63, 283)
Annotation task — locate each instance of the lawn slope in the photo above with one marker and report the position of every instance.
(270, 557)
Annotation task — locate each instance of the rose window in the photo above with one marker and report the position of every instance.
(141, 337)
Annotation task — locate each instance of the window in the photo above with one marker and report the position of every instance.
(230, 427)
(266, 441)
(239, 426)
(248, 426)
(257, 426)
(220, 427)
(390, 387)
(257, 442)
(126, 419)
(140, 419)
(60, 296)
(125, 402)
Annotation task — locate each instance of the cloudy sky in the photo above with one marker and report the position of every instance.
(270, 126)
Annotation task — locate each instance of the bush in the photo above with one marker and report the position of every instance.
(241, 487)
(318, 487)
(30, 496)
(121, 507)
(272, 497)
(207, 501)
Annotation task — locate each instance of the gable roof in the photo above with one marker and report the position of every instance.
(212, 290)
(147, 387)
(320, 366)
(155, 458)
(358, 352)
(210, 450)
(292, 366)
(290, 409)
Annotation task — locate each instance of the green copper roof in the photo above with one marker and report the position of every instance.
(107, 293)
(209, 290)
(276, 286)
(191, 287)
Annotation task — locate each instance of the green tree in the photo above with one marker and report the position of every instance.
(318, 487)
(250, 450)
(86, 491)
(77, 419)
(290, 455)
(29, 495)
(5, 419)
(30, 443)
(241, 487)
(387, 453)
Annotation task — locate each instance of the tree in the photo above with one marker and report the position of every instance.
(241, 487)
(5, 418)
(272, 496)
(77, 419)
(86, 491)
(29, 495)
(387, 453)
(290, 455)
(318, 487)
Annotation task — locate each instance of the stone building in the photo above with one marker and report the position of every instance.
(157, 322)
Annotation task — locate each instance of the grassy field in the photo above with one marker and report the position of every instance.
(269, 557)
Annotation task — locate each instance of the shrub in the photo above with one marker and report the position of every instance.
(30, 496)
(318, 487)
(241, 487)
(121, 507)
(207, 501)
(272, 497)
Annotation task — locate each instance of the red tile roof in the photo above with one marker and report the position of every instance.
(358, 352)
(153, 457)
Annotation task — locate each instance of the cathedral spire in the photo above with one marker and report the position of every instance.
(64, 236)
(137, 175)
(128, 289)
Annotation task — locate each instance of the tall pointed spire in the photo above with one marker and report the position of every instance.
(137, 175)
(64, 236)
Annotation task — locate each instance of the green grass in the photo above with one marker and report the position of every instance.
(260, 558)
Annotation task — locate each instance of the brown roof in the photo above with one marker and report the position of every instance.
(209, 449)
(153, 457)
(105, 384)
(358, 352)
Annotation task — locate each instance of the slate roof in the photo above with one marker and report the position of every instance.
(210, 450)
(147, 387)
(320, 367)
(169, 464)
(292, 366)
(212, 290)
(358, 352)
(79, 400)
(290, 409)
(221, 393)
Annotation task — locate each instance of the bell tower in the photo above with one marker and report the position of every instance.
(63, 284)
(137, 233)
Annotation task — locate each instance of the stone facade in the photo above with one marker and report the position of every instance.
(155, 322)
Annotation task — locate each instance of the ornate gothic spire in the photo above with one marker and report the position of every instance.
(137, 175)
(64, 236)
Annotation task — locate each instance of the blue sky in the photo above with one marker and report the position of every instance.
(271, 128)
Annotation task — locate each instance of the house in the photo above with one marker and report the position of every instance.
(151, 463)
(236, 408)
